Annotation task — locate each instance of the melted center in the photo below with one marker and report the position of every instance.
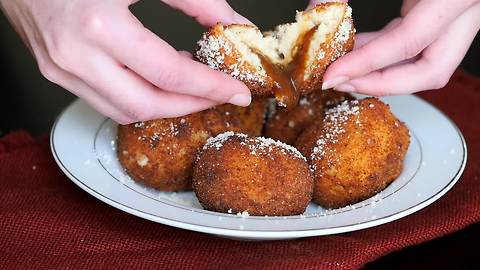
(284, 87)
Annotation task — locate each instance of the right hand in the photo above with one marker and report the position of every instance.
(100, 52)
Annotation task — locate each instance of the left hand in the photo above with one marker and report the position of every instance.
(418, 51)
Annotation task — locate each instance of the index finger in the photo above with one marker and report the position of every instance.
(125, 39)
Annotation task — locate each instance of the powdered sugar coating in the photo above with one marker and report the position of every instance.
(170, 130)
(256, 145)
(343, 34)
(335, 119)
(213, 49)
(345, 28)
(218, 141)
(336, 44)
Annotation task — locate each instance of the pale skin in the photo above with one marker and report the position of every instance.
(100, 52)
(418, 51)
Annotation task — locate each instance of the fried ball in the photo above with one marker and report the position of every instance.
(308, 137)
(249, 120)
(301, 50)
(358, 150)
(235, 173)
(286, 125)
(160, 153)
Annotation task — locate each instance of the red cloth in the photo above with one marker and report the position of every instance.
(46, 221)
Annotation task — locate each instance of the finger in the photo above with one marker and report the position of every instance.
(363, 38)
(136, 97)
(100, 104)
(186, 54)
(407, 5)
(76, 86)
(432, 71)
(402, 42)
(84, 91)
(127, 41)
(208, 12)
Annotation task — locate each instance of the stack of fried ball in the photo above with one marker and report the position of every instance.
(348, 150)
(345, 150)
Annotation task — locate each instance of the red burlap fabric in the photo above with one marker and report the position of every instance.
(47, 222)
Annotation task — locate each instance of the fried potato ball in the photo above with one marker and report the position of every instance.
(357, 151)
(160, 153)
(235, 173)
(286, 125)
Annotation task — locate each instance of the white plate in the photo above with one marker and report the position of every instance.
(83, 144)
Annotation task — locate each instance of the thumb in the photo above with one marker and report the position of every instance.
(208, 12)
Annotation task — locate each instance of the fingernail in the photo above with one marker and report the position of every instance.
(240, 19)
(345, 88)
(240, 100)
(334, 82)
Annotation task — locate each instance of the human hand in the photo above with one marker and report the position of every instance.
(418, 51)
(100, 52)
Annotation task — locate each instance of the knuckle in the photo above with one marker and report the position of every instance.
(371, 65)
(169, 80)
(136, 114)
(92, 24)
(439, 78)
(48, 71)
(412, 45)
(411, 49)
(440, 82)
(61, 56)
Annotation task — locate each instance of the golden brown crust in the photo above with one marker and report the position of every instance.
(335, 46)
(248, 120)
(308, 137)
(217, 51)
(236, 173)
(359, 152)
(160, 153)
(286, 125)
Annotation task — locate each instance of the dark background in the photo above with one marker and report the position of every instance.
(28, 101)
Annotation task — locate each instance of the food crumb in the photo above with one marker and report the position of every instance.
(243, 214)
(142, 160)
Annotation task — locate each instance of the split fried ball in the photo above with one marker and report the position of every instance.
(286, 125)
(235, 173)
(160, 153)
(303, 49)
(357, 151)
